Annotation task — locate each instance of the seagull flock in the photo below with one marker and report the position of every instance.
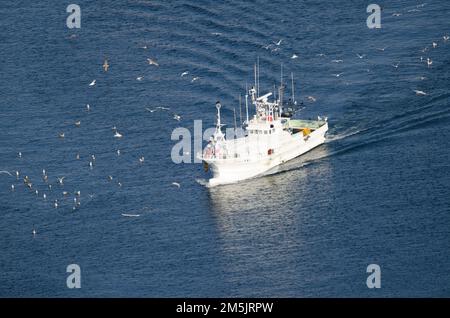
(60, 183)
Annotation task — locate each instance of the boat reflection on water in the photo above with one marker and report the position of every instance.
(263, 223)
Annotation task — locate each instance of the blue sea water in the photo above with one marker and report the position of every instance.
(378, 191)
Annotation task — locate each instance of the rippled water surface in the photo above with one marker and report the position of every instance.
(377, 192)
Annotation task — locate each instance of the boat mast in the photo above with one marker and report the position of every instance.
(218, 115)
(257, 90)
(280, 102)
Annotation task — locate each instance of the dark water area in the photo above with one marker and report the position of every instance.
(378, 191)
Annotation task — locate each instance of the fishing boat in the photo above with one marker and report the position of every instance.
(269, 139)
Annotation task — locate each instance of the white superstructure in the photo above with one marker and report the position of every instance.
(270, 138)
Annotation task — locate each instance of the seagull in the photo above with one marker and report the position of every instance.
(90, 164)
(311, 98)
(106, 65)
(420, 93)
(61, 135)
(45, 178)
(396, 65)
(360, 56)
(88, 107)
(44, 172)
(110, 178)
(141, 159)
(119, 184)
(163, 108)
(140, 78)
(34, 232)
(422, 78)
(278, 43)
(60, 180)
(117, 135)
(65, 193)
(321, 54)
(338, 75)
(294, 56)
(92, 83)
(93, 157)
(118, 152)
(78, 156)
(337, 61)
(216, 33)
(150, 110)
(130, 215)
(78, 123)
(382, 49)
(37, 192)
(12, 187)
(177, 117)
(6, 172)
(77, 193)
(50, 187)
(195, 79)
(184, 73)
(17, 175)
(429, 62)
(176, 184)
(446, 38)
(20, 154)
(56, 204)
(434, 45)
(44, 196)
(152, 62)
(396, 14)
(144, 47)
(424, 49)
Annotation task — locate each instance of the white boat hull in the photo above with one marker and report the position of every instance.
(234, 170)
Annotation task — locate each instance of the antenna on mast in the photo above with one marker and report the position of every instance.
(218, 114)
(246, 102)
(292, 83)
(281, 75)
(256, 80)
(240, 109)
